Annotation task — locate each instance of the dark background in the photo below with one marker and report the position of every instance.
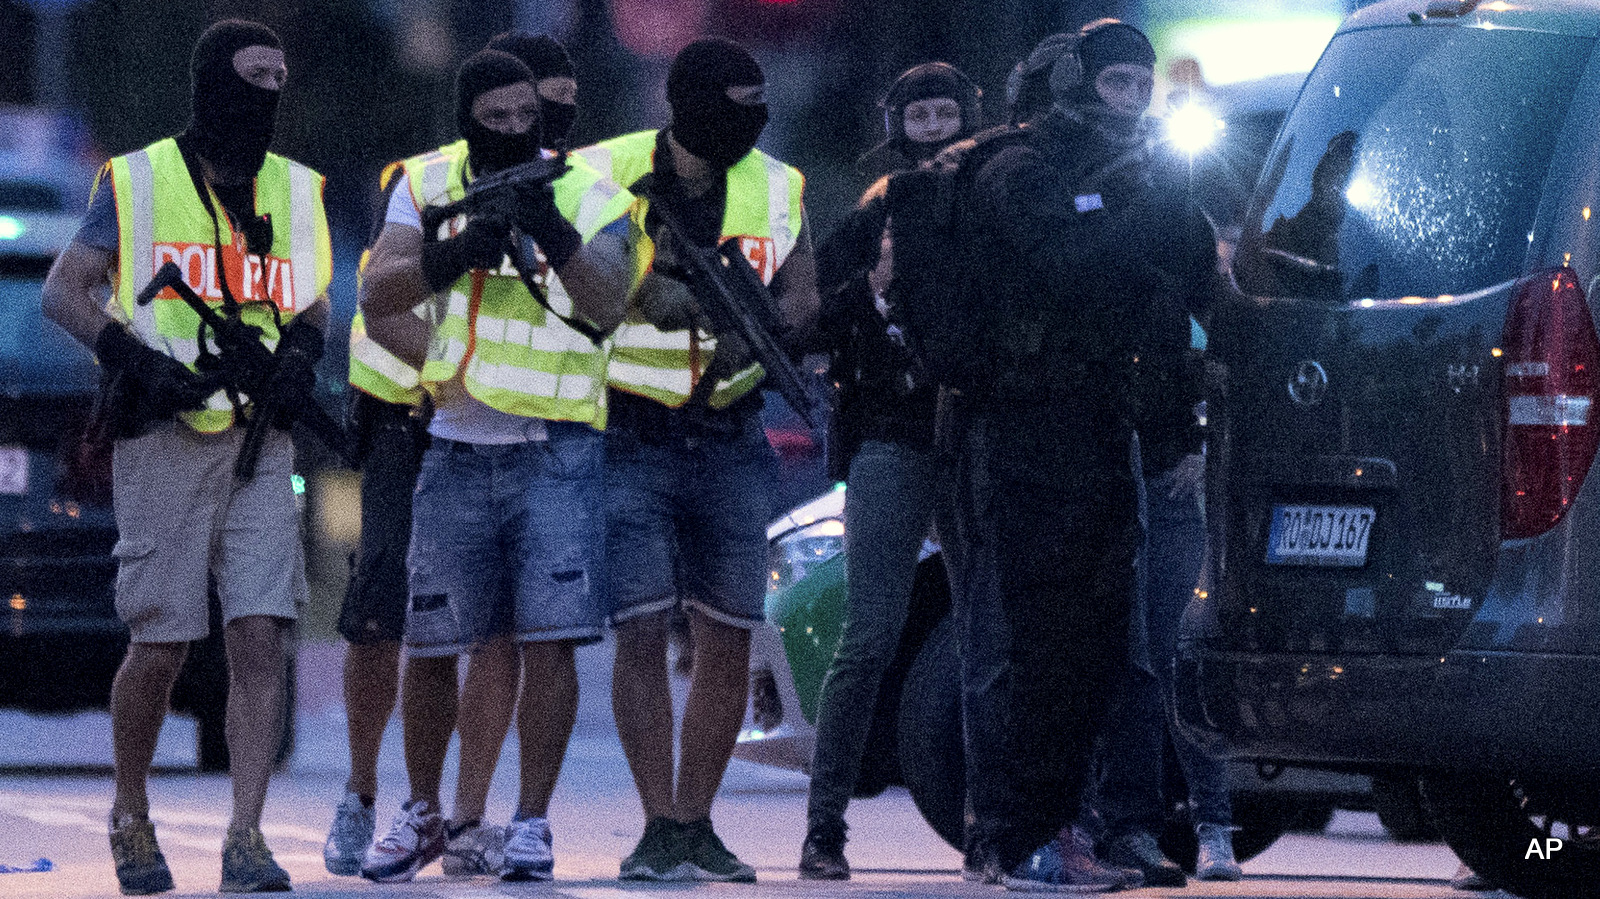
(370, 80)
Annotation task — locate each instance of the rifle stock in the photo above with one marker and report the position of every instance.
(241, 343)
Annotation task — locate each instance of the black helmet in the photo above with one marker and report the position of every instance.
(923, 82)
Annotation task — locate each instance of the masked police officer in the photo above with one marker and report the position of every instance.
(391, 429)
(690, 471)
(248, 231)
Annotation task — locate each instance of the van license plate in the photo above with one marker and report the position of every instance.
(1320, 535)
(13, 470)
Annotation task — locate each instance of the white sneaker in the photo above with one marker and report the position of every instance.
(1215, 861)
(479, 849)
(414, 839)
(528, 852)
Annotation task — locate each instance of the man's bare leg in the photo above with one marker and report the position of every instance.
(371, 686)
(487, 699)
(641, 700)
(140, 695)
(428, 714)
(256, 655)
(545, 715)
(712, 714)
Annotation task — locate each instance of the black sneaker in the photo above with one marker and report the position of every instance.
(822, 856)
(981, 865)
(659, 855)
(707, 859)
(248, 866)
(1138, 850)
(141, 868)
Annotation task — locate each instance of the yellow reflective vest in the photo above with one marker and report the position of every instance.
(494, 340)
(763, 210)
(374, 370)
(160, 218)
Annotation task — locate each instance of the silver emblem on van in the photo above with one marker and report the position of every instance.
(1309, 383)
(1461, 374)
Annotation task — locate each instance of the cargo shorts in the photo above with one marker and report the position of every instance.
(181, 517)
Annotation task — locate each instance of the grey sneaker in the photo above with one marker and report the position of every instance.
(1215, 859)
(659, 855)
(349, 836)
(141, 868)
(474, 849)
(247, 864)
(529, 850)
(708, 859)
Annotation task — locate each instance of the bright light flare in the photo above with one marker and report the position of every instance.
(1193, 128)
(1361, 193)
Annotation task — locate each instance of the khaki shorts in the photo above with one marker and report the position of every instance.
(180, 516)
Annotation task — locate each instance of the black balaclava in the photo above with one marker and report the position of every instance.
(489, 150)
(923, 82)
(545, 58)
(1104, 43)
(704, 120)
(230, 119)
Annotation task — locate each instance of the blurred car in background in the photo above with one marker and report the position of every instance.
(62, 642)
(1403, 413)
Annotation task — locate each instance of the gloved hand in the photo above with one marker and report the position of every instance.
(481, 244)
(667, 303)
(294, 378)
(164, 386)
(733, 353)
(539, 218)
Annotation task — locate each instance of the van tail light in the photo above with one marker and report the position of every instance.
(1552, 376)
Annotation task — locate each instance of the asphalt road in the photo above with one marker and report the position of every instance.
(55, 792)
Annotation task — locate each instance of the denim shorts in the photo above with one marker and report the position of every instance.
(507, 539)
(686, 520)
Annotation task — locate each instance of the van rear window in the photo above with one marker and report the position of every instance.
(1411, 166)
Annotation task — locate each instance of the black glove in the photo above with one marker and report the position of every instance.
(539, 218)
(164, 386)
(667, 303)
(294, 377)
(481, 244)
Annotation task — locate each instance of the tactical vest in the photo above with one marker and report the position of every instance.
(763, 210)
(161, 219)
(489, 336)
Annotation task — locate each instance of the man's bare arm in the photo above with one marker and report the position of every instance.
(72, 295)
(597, 279)
(391, 287)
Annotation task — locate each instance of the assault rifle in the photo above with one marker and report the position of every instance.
(735, 302)
(247, 367)
(497, 193)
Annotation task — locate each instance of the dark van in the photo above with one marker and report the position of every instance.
(1405, 546)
